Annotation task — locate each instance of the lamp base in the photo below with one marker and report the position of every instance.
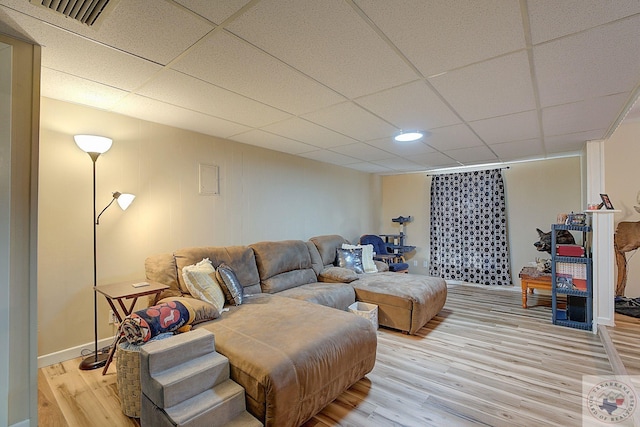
(94, 361)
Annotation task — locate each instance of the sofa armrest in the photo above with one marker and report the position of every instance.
(381, 266)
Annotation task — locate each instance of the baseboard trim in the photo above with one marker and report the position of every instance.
(24, 423)
(614, 358)
(71, 353)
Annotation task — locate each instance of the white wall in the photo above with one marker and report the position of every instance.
(621, 154)
(264, 195)
(535, 192)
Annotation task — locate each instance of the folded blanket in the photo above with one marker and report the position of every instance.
(141, 326)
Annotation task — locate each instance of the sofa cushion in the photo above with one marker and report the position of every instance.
(239, 258)
(283, 265)
(162, 268)
(334, 295)
(327, 246)
(337, 275)
(316, 260)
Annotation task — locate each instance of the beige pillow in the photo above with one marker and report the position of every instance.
(201, 282)
(367, 257)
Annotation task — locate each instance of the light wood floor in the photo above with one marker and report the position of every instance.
(484, 360)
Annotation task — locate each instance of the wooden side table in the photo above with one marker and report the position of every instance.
(125, 291)
(531, 279)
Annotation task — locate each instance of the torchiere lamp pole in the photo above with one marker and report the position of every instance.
(94, 146)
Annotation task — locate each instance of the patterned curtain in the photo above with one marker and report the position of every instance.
(469, 228)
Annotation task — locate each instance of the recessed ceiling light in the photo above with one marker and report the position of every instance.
(409, 136)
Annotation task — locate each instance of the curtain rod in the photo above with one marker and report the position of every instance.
(459, 170)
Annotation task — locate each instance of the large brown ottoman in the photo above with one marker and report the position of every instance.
(405, 301)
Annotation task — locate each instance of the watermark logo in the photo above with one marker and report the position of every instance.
(610, 401)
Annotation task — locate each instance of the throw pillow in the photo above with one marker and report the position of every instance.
(201, 282)
(368, 265)
(228, 280)
(350, 258)
(204, 311)
(337, 275)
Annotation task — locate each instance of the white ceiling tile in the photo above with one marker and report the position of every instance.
(402, 149)
(229, 62)
(184, 91)
(65, 52)
(398, 164)
(452, 137)
(326, 40)
(552, 18)
(492, 88)
(159, 33)
(410, 106)
(519, 149)
(590, 64)
(272, 142)
(309, 133)
(362, 151)
(351, 120)
(368, 167)
(472, 155)
(74, 89)
(214, 11)
(512, 127)
(160, 112)
(572, 142)
(330, 157)
(441, 35)
(435, 159)
(589, 115)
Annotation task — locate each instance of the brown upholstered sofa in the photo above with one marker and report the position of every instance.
(291, 344)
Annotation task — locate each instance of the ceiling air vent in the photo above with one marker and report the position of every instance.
(88, 12)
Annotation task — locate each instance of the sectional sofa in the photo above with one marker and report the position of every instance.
(291, 344)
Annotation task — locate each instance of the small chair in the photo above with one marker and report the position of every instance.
(384, 253)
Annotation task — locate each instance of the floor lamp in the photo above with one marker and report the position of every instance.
(94, 146)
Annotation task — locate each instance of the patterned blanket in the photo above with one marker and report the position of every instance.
(141, 326)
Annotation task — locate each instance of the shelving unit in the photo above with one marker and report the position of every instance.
(579, 309)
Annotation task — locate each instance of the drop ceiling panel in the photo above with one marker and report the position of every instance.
(184, 91)
(226, 61)
(272, 142)
(326, 40)
(472, 155)
(214, 11)
(589, 64)
(163, 113)
(552, 18)
(488, 89)
(398, 164)
(434, 160)
(159, 33)
(351, 120)
(572, 143)
(452, 137)
(410, 106)
(363, 151)
(84, 92)
(519, 149)
(442, 35)
(402, 149)
(369, 168)
(580, 116)
(65, 52)
(512, 127)
(327, 156)
(309, 133)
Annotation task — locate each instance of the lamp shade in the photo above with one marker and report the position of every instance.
(93, 143)
(124, 200)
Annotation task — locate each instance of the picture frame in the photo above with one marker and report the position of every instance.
(606, 201)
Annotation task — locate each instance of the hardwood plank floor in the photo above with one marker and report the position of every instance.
(484, 360)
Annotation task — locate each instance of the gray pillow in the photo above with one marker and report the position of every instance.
(233, 290)
(350, 258)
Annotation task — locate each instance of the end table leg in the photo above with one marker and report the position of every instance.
(524, 294)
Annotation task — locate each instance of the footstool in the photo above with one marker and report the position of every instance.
(405, 301)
